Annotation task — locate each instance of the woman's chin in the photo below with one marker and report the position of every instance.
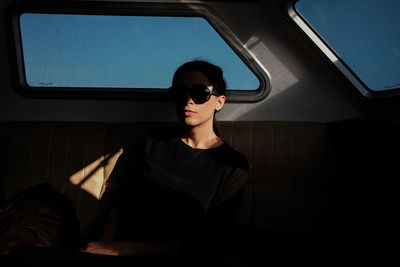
(190, 122)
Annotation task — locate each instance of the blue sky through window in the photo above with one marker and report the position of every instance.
(364, 33)
(62, 50)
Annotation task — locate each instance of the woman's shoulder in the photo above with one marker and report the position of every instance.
(233, 156)
(237, 173)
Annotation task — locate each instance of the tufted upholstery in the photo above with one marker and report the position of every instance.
(291, 166)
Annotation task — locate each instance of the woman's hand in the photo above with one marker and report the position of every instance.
(101, 248)
(132, 248)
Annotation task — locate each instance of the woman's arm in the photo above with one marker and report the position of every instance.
(107, 246)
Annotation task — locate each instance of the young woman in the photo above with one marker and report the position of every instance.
(182, 193)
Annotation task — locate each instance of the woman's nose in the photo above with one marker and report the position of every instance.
(189, 100)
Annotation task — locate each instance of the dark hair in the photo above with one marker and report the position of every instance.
(213, 73)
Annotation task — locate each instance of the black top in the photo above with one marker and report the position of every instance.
(173, 191)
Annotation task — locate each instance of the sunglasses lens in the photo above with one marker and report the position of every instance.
(199, 93)
(177, 94)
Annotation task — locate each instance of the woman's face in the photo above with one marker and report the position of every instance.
(193, 114)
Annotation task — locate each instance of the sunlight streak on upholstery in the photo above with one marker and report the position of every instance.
(92, 178)
(109, 165)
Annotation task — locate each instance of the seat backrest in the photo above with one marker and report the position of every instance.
(290, 167)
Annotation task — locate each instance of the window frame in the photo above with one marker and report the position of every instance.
(329, 53)
(16, 8)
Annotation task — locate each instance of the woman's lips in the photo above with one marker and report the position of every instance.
(189, 113)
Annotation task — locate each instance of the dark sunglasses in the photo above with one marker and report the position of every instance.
(200, 93)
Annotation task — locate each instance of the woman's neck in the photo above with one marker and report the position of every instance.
(201, 138)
